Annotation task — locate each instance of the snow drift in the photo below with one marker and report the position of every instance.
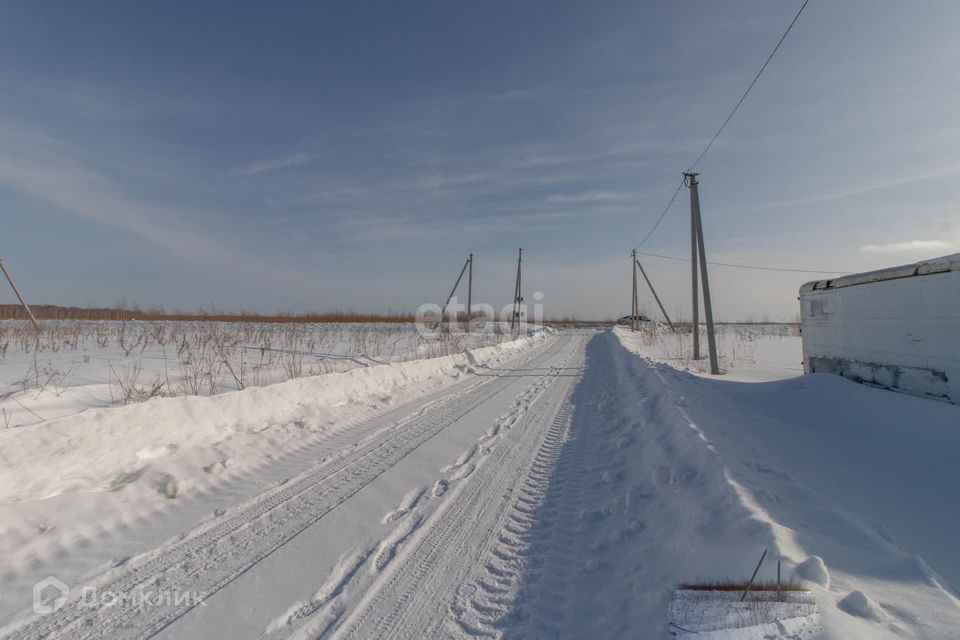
(106, 449)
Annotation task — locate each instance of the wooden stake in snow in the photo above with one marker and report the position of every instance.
(778, 579)
(23, 302)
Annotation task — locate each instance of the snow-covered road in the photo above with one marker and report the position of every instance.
(413, 480)
(559, 494)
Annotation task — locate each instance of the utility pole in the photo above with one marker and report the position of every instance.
(452, 291)
(469, 291)
(698, 251)
(695, 320)
(654, 292)
(517, 297)
(633, 300)
(23, 302)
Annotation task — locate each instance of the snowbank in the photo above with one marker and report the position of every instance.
(106, 449)
(853, 485)
(650, 503)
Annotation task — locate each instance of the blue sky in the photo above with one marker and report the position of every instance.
(349, 155)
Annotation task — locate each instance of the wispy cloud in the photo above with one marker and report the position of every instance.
(911, 246)
(540, 160)
(46, 173)
(443, 182)
(587, 197)
(950, 171)
(274, 164)
(347, 193)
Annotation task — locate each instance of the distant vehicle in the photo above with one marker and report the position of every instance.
(629, 319)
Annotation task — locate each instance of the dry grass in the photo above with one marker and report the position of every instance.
(573, 321)
(145, 359)
(157, 314)
(740, 585)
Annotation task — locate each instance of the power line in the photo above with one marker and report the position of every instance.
(660, 219)
(748, 266)
(755, 78)
(723, 126)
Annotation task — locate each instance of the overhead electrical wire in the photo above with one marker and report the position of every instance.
(725, 122)
(745, 93)
(747, 266)
(662, 215)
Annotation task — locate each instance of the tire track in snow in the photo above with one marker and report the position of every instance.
(206, 560)
(462, 529)
(466, 462)
(488, 600)
(636, 493)
(523, 585)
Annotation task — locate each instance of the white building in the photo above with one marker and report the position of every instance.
(896, 328)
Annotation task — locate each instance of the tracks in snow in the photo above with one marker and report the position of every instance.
(527, 565)
(470, 526)
(198, 565)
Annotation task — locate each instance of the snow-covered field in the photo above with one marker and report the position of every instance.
(562, 485)
(76, 365)
(746, 352)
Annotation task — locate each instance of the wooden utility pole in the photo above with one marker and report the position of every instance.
(654, 292)
(517, 297)
(23, 303)
(469, 291)
(452, 291)
(698, 253)
(695, 320)
(633, 299)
